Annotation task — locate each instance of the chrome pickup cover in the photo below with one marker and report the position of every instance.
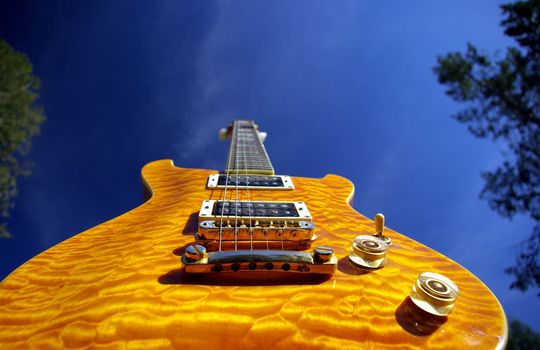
(254, 210)
(256, 182)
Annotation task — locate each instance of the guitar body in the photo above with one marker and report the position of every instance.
(120, 285)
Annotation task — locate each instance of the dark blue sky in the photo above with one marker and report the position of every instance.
(342, 87)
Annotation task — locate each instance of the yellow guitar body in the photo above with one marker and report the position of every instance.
(120, 285)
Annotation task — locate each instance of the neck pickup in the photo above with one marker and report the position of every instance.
(256, 182)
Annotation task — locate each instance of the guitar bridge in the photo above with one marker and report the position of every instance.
(321, 261)
(273, 230)
(255, 224)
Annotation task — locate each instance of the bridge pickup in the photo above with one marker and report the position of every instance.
(254, 211)
(263, 261)
(256, 230)
(256, 182)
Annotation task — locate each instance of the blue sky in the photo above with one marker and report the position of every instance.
(342, 87)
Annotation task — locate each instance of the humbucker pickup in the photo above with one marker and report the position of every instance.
(254, 210)
(256, 182)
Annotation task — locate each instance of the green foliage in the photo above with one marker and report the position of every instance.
(522, 337)
(20, 120)
(503, 104)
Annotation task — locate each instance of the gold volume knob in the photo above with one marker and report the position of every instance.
(434, 293)
(368, 251)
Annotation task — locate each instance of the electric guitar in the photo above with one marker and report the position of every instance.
(245, 259)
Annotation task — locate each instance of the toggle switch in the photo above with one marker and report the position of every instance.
(379, 229)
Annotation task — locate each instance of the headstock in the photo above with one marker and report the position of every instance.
(226, 133)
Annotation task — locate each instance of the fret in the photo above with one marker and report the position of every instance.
(247, 153)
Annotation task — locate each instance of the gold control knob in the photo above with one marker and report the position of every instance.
(368, 251)
(379, 229)
(434, 293)
(195, 252)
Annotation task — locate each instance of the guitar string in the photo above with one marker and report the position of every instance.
(250, 228)
(227, 166)
(271, 194)
(273, 199)
(236, 190)
(260, 194)
(235, 148)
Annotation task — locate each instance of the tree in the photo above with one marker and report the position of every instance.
(522, 337)
(20, 120)
(503, 104)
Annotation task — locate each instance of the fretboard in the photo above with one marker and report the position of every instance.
(247, 155)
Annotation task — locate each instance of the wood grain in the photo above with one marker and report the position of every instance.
(120, 285)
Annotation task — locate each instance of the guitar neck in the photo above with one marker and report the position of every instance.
(247, 155)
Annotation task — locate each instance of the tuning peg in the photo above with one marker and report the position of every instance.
(262, 136)
(379, 229)
(223, 134)
(226, 133)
